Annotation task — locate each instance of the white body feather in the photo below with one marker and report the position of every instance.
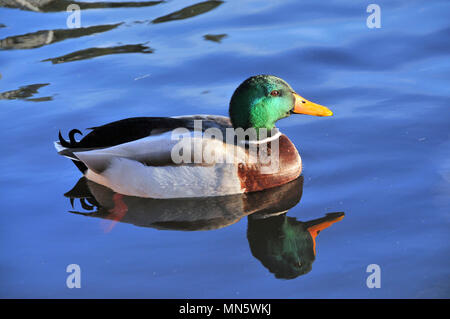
(122, 168)
(133, 178)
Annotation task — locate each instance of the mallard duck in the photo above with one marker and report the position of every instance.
(135, 156)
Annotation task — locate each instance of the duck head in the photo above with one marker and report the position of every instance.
(262, 100)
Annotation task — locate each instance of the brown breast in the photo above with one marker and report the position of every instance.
(258, 176)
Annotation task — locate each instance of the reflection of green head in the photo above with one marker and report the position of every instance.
(282, 244)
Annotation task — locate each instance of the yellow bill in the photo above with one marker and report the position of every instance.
(303, 106)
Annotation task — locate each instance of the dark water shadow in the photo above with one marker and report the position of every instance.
(97, 52)
(25, 93)
(285, 246)
(46, 37)
(215, 37)
(61, 5)
(190, 11)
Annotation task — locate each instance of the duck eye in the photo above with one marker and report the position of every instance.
(275, 93)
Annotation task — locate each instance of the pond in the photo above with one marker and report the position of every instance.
(376, 174)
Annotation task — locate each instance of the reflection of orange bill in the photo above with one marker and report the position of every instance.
(316, 229)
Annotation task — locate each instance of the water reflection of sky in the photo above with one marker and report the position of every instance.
(381, 159)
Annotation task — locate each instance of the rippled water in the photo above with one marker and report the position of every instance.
(382, 159)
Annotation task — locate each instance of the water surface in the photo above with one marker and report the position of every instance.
(382, 159)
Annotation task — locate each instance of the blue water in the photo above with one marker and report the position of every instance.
(382, 159)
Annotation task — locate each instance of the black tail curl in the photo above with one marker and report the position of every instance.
(72, 142)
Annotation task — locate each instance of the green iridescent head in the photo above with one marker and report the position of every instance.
(262, 100)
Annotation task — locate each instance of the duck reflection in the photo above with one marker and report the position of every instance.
(61, 5)
(285, 246)
(205, 213)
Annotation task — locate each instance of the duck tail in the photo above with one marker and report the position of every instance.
(72, 142)
(65, 148)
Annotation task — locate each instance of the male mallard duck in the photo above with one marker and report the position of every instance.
(135, 156)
